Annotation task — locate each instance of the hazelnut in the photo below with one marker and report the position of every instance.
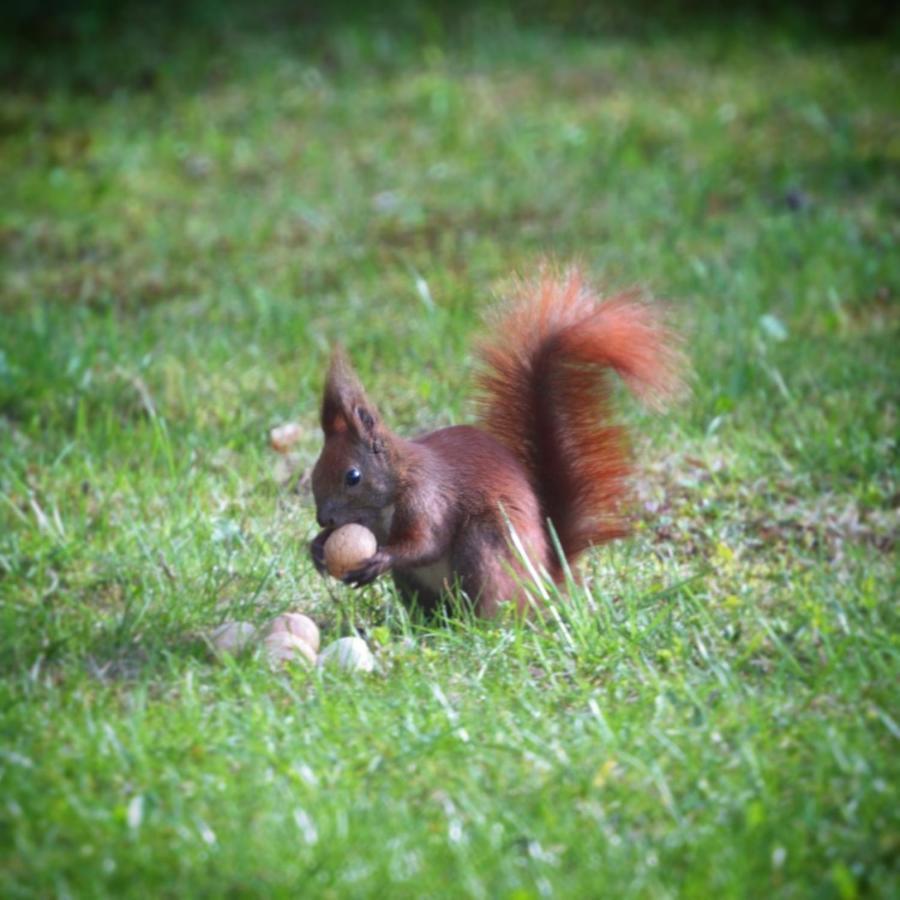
(282, 438)
(347, 548)
(283, 647)
(297, 624)
(232, 638)
(350, 653)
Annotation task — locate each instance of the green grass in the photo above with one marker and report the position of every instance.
(715, 713)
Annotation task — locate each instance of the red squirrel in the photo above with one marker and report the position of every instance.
(546, 449)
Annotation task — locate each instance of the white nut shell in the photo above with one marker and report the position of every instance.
(349, 653)
(232, 638)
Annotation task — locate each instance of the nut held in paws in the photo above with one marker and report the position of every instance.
(347, 548)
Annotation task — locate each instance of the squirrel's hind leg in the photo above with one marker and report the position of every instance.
(488, 571)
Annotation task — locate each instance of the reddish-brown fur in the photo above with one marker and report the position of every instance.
(442, 505)
(546, 395)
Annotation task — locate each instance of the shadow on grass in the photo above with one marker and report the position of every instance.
(100, 46)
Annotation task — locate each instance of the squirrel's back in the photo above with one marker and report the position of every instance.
(546, 395)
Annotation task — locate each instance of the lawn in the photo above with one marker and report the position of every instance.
(195, 209)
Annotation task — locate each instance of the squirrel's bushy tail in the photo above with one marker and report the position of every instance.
(546, 394)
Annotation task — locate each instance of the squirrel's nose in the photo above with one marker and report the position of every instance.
(325, 521)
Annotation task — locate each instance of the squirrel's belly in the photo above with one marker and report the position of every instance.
(436, 577)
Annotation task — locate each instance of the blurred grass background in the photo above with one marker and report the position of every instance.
(198, 199)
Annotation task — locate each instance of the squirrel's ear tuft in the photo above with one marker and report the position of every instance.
(345, 406)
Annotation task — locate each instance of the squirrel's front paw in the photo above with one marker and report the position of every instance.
(368, 571)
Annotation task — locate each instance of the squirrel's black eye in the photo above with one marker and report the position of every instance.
(353, 477)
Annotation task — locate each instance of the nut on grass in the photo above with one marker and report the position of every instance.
(232, 638)
(349, 653)
(298, 625)
(282, 647)
(347, 548)
(283, 437)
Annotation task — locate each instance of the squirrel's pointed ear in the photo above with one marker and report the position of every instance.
(345, 406)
